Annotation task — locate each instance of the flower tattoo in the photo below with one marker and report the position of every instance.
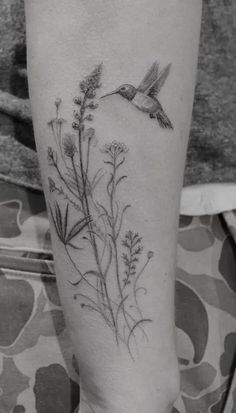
(98, 227)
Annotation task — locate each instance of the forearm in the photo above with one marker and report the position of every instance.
(114, 207)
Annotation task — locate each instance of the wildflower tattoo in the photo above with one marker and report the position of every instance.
(117, 255)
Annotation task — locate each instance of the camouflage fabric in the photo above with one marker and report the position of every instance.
(38, 371)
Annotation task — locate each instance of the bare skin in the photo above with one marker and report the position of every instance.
(112, 171)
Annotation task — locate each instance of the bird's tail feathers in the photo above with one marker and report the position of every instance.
(163, 120)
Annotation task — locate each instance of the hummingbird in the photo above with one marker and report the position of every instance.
(144, 97)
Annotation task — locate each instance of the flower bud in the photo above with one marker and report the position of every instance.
(150, 254)
(91, 94)
(77, 100)
(75, 125)
(58, 102)
(89, 117)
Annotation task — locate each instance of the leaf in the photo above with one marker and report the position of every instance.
(144, 320)
(95, 176)
(121, 219)
(77, 228)
(105, 211)
(94, 232)
(55, 223)
(92, 272)
(109, 183)
(73, 184)
(121, 179)
(117, 213)
(120, 163)
(94, 184)
(120, 306)
(74, 246)
(109, 261)
(109, 163)
(76, 232)
(58, 218)
(136, 243)
(66, 220)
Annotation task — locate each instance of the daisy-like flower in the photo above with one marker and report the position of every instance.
(114, 149)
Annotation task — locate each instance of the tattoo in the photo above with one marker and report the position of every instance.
(111, 285)
(144, 97)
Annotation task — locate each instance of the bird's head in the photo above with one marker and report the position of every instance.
(126, 91)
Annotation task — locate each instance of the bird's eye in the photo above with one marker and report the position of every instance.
(123, 89)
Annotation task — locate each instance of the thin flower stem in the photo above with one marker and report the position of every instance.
(76, 179)
(140, 273)
(87, 163)
(57, 135)
(67, 198)
(95, 289)
(53, 132)
(135, 288)
(114, 238)
(83, 278)
(87, 212)
(64, 181)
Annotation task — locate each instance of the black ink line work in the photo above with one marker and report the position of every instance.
(144, 97)
(89, 220)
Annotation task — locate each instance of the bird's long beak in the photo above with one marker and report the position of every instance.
(109, 94)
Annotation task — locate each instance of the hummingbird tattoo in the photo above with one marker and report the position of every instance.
(144, 97)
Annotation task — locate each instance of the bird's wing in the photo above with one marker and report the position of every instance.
(156, 86)
(149, 78)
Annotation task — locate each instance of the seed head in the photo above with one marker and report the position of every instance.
(150, 255)
(52, 185)
(69, 146)
(91, 82)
